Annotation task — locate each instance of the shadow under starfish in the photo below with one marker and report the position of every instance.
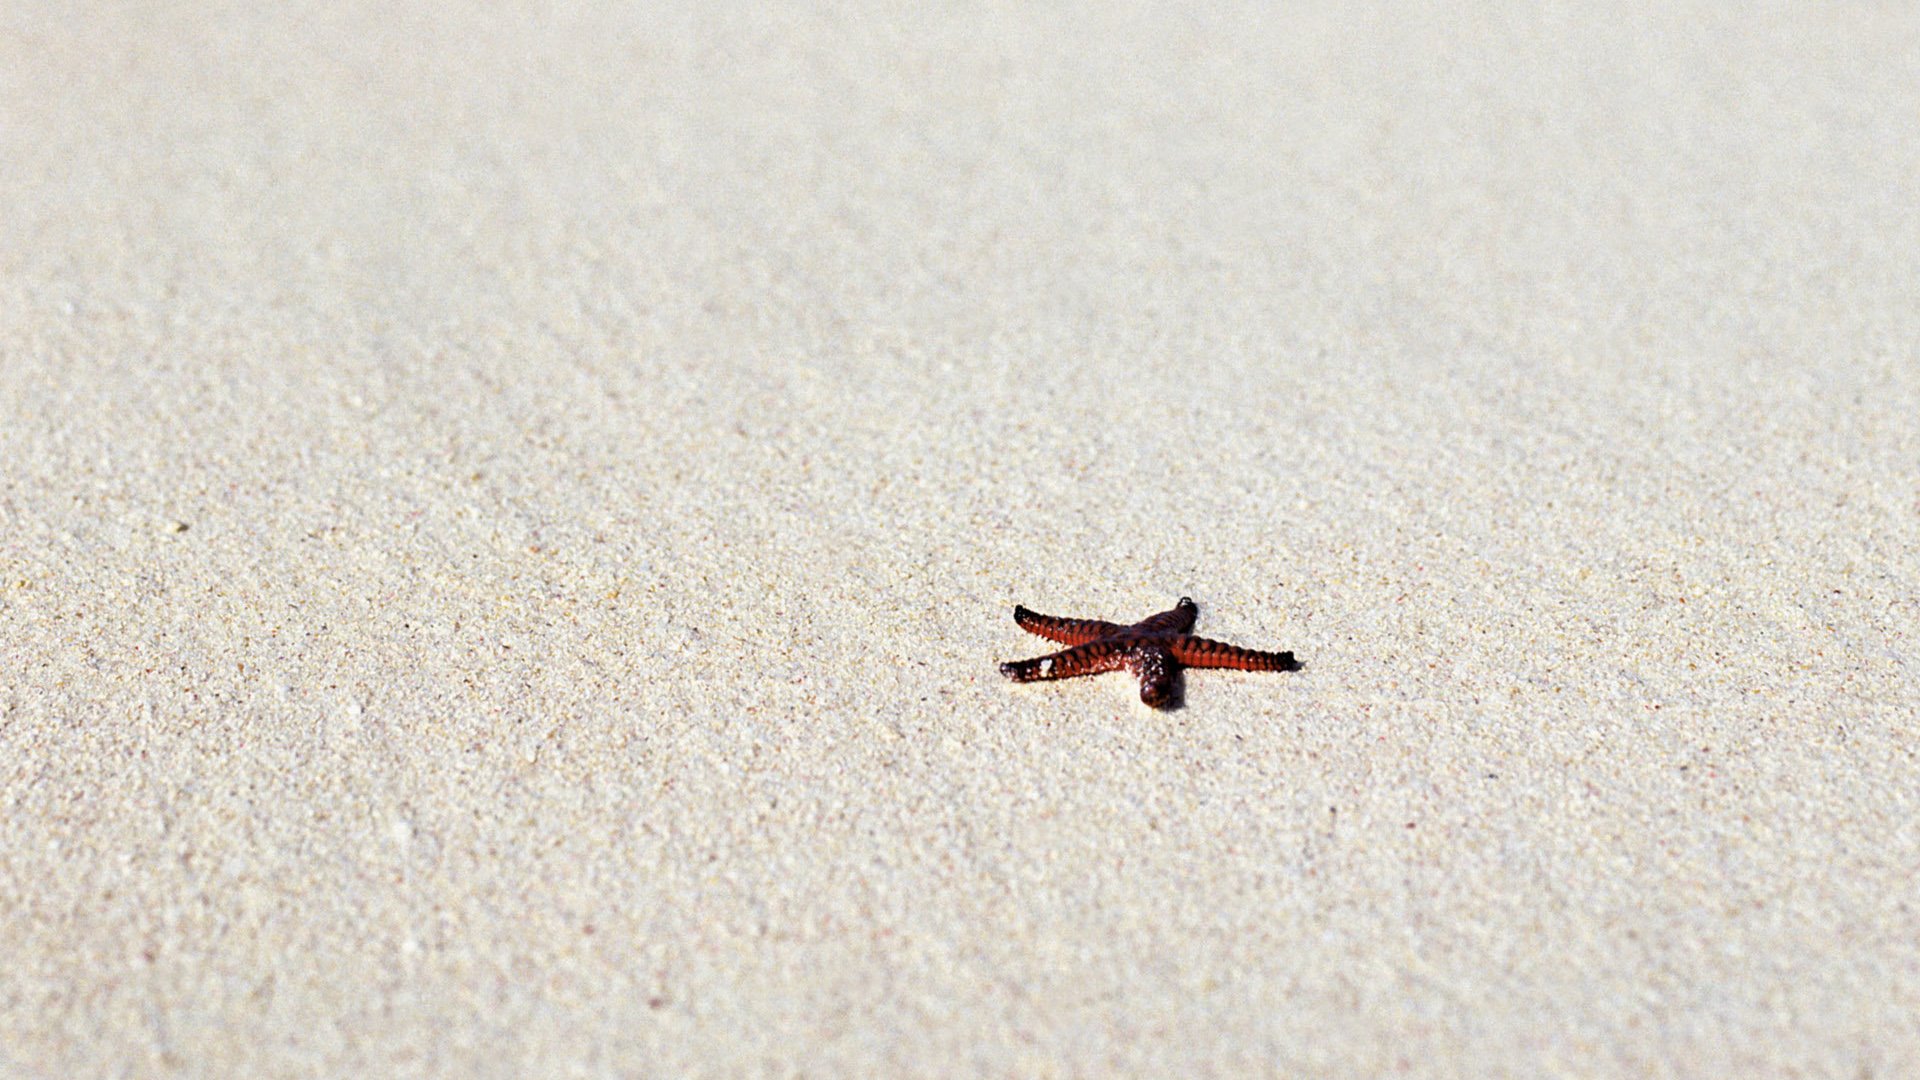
(1153, 649)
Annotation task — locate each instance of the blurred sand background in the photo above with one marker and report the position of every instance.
(509, 514)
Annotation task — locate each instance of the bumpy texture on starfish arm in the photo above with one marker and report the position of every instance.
(1201, 652)
(1152, 649)
(1065, 631)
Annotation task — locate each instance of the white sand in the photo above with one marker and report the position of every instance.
(610, 447)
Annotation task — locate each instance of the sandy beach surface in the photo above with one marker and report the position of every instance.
(509, 516)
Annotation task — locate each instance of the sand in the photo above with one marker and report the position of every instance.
(509, 517)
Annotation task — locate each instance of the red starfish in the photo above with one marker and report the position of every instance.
(1152, 649)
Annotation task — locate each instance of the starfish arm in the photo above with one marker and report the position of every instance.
(1090, 659)
(1179, 620)
(1064, 631)
(1154, 668)
(1199, 652)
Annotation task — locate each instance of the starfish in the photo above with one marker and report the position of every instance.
(1153, 649)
